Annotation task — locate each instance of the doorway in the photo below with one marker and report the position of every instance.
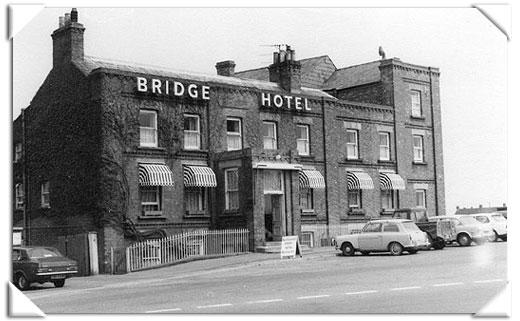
(273, 217)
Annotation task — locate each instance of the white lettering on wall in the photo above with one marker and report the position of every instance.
(192, 91)
(141, 84)
(278, 101)
(266, 99)
(176, 88)
(298, 103)
(285, 101)
(205, 92)
(156, 86)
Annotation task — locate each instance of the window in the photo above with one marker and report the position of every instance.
(420, 198)
(17, 152)
(273, 182)
(354, 198)
(45, 194)
(302, 139)
(352, 144)
(191, 132)
(19, 196)
(195, 199)
(482, 219)
(384, 146)
(390, 227)
(269, 135)
(415, 97)
(306, 199)
(372, 228)
(418, 148)
(387, 199)
(231, 177)
(150, 199)
(234, 134)
(148, 128)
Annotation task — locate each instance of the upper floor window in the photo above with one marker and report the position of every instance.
(420, 198)
(387, 199)
(45, 194)
(302, 139)
(306, 199)
(384, 146)
(19, 196)
(234, 134)
(418, 148)
(269, 130)
(18, 152)
(352, 144)
(148, 128)
(354, 198)
(191, 132)
(150, 199)
(415, 97)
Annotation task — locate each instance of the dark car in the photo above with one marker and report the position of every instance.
(41, 264)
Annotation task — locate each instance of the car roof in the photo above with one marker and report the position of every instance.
(32, 247)
(394, 220)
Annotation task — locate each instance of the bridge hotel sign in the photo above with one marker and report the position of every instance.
(285, 102)
(172, 88)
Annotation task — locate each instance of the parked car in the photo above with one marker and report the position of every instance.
(41, 264)
(467, 229)
(391, 235)
(494, 221)
(438, 232)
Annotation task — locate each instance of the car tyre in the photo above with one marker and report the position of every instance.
(395, 248)
(464, 239)
(504, 238)
(22, 283)
(439, 243)
(365, 252)
(59, 283)
(412, 251)
(494, 237)
(347, 249)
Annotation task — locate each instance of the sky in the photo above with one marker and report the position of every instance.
(469, 50)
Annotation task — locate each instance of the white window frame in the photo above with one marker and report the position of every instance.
(158, 194)
(418, 151)
(358, 198)
(201, 199)
(154, 113)
(416, 105)
(228, 190)
(304, 141)
(309, 195)
(18, 152)
(234, 134)
(355, 144)
(19, 196)
(46, 194)
(384, 150)
(274, 139)
(192, 132)
(423, 198)
(390, 196)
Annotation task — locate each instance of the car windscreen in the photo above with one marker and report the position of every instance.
(468, 220)
(498, 217)
(482, 219)
(410, 226)
(39, 253)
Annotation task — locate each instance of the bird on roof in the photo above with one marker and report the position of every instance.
(382, 53)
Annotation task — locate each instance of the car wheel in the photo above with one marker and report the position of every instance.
(464, 239)
(395, 248)
(504, 238)
(59, 283)
(439, 243)
(22, 283)
(493, 237)
(430, 240)
(347, 249)
(365, 252)
(412, 251)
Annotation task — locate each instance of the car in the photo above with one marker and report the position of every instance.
(467, 229)
(494, 221)
(41, 264)
(384, 235)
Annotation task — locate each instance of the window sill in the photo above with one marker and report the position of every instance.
(356, 211)
(385, 161)
(187, 150)
(45, 207)
(151, 215)
(196, 215)
(387, 212)
(309, 212)
(417, 118)
(419, 163)
(152, 148)
(354, 160)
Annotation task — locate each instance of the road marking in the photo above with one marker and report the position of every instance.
(312, 297)
(362, 292)
(264, 301)
(406, 288)
(164, 310)
(489, 281)
(448, 284)
(214, 306)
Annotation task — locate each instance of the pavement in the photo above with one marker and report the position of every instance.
(454, 280)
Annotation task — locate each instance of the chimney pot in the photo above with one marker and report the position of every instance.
(285, 70)
(226, 68)
(67, 18)
(74, 15)
(61, 21)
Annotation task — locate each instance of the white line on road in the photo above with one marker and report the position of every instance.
(264, 301)
(164, 310)
(214, 306)
(362, 292)
(406, 288)
(448, 284)
(312, 297)
(489, 281)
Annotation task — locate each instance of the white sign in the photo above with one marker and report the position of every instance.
(285, 101)
(290, 246)
(172, 88)
(17, 238)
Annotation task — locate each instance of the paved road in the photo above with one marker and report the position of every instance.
(454, 280)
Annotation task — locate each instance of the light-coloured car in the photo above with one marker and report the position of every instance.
(391, 235)
(467, 229)
(494, 221)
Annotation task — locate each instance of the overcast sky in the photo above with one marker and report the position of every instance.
(469, 50)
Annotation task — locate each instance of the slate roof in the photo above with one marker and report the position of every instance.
(354, 76)
(89, 64)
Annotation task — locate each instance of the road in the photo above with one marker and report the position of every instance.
(454, 280)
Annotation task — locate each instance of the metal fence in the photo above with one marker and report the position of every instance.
(176, 248)
(316, 235)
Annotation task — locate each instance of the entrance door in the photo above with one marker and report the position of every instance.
(273, 217)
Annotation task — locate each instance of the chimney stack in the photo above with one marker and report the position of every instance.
(226, 68)
(67, 40)
(285, 70)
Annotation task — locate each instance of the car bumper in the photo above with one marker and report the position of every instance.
(53, 276)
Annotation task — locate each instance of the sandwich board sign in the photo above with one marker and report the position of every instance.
(290, 247)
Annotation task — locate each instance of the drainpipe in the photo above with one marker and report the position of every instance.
(25, 233)
(326, 165)
(433, 145)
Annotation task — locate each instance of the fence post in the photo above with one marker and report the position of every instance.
(127, 252)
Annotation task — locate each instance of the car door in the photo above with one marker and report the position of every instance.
(371, 238)
(390, 234)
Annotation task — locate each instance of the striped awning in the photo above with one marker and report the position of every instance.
(155, 175)
(391, 181)
(199, 176)
(359, 180)
(311, 178)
